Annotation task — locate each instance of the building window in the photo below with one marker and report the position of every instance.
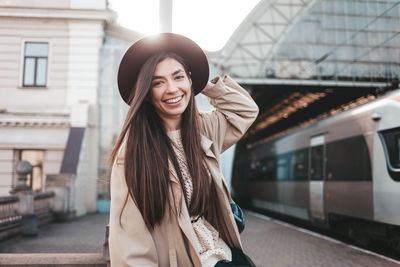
(35, 64)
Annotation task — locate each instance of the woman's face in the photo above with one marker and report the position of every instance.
(170, 91)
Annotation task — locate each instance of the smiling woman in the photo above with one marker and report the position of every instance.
(170, 205)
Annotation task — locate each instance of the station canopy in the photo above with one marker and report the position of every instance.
(304, 59)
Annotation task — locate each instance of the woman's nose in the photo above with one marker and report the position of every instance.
(172, 87)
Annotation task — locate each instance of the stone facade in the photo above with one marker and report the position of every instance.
(52, 55)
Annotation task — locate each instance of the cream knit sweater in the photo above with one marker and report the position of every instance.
(209, 245)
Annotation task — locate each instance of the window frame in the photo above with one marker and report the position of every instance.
(394, 171)
(294, 163)
(273, 162)
(283, 163)
(36, 58)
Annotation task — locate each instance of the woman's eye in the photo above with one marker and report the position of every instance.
(179, 77)
(156, 84)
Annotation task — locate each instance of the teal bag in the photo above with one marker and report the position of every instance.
(238, 215)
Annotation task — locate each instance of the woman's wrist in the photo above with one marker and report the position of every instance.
(211, 87)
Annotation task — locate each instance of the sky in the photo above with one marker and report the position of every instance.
(210, 23)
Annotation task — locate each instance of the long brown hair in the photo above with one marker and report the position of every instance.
(148, 149)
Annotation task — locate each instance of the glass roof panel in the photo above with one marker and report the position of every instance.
(325, 39)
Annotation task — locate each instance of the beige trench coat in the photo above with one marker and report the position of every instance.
(170, 244)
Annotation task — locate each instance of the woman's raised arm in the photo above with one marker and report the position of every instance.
(234, 112)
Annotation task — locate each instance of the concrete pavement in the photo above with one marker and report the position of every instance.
(268, 242)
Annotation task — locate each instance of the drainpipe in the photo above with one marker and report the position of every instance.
(165, 11)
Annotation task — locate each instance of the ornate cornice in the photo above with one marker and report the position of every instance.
(33, 124)
(31, 120)
(57, 13)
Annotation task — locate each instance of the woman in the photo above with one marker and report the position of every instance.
(170, 205)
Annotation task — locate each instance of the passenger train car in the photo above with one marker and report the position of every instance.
(340, 171)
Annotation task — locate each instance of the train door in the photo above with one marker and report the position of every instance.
(317, 156)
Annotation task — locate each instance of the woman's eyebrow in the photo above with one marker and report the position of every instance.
(174, 73)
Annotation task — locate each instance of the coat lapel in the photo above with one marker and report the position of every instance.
(173, 176)
(206, 146)
(182, 214)
(187, 229)
(222, 189)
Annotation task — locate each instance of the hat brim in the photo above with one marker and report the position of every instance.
(140, 51)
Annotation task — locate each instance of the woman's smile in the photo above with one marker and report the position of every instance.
(174, 100)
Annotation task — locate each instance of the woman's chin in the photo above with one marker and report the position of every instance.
(177, 110)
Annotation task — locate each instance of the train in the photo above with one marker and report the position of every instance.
(340, 172)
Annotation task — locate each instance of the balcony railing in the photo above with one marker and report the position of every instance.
(10, 218)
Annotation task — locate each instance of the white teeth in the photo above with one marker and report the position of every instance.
(174, 100)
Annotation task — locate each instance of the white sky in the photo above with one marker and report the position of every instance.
(210, 23)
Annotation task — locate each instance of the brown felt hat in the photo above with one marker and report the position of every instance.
(140, 51)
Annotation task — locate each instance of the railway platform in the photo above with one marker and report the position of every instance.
(270, 243)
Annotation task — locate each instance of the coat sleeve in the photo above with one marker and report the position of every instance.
(234, 112)
(130, 243)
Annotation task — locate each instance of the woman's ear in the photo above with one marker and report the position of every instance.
(189, 74)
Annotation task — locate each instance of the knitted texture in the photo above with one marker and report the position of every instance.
(210, 247)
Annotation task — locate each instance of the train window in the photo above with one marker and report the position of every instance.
(269, 168)
(300, 165)
(391, 143)
(254, 173)
(348, 159)
(317, 163)
(397, 151)
(241, 172)
(283, 163)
